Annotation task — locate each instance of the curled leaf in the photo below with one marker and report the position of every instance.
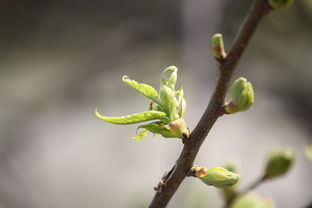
(157, 128)
(182, 108)
(169, 77)
(169, 102)
(175, 129)
(144, 89)
(140, 135)
(134, 118)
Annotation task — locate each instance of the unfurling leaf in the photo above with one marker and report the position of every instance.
(165, 109)
(175, 129)
(169, 102)
(140, 135)
(144, 89)
(169, 77)
(134, 118)
(218, 177)
(157, 128)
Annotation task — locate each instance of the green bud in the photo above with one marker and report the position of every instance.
(279, 162)
(178, 129)
(252, 200)
(280, 4)
(217, 47)
(308, 151)
(242, 96)
(218, 177)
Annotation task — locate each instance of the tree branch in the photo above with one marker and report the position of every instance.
(172, 181)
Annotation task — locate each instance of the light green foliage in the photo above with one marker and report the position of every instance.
(217, 47)
(242, 96)
(134, 118)
(252, 200)
(169, 77)
(140, 135)
(279, 162)
(218, 177)
(167, 113)
(169, 102)
(280, 4)
(144, 89)
(308, 152)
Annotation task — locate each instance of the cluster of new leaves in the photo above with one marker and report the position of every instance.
(167, 108)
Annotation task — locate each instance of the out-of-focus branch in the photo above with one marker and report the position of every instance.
(171, 182)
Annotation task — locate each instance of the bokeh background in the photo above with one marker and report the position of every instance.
(59, 60)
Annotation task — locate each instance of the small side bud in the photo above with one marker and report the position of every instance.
(242, 96)
(278, 163)
(252, 200)
(178, 129)
(217, 47)
(218, 177)
(280, 4)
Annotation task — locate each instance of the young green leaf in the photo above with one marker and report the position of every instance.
(169, 77)
(144, 89)
(156, 128)
(134, 118)
(140, 135)
(175, 129)
(169, 102)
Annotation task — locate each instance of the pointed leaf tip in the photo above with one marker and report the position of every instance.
(140, 135)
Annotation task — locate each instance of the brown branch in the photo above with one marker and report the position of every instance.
(172, 181)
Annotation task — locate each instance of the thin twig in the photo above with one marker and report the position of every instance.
(184, 163)
(245, 191)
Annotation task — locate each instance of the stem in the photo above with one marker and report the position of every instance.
(168, 187)
(245, 191)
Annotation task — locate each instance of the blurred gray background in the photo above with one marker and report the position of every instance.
(59, 60)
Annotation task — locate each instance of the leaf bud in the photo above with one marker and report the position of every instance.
(308, 151)
(218, 177)
(242, 96)
(279, 162)
(252, 200)
(280, 4)
(217, 47)
(178, 129)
